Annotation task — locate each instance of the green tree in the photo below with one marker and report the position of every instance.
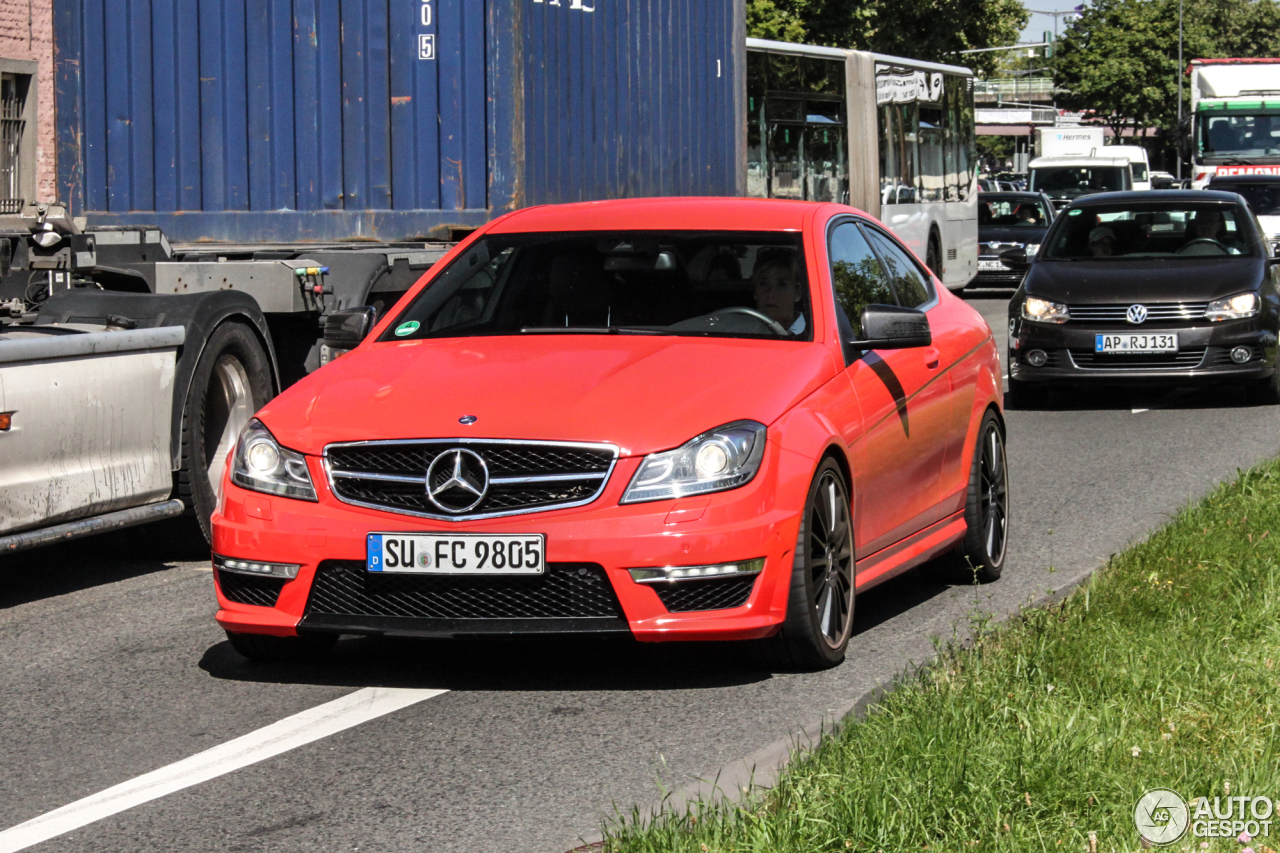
(924, 29)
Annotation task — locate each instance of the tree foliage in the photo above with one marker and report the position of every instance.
(922, 29)
(1120, 57)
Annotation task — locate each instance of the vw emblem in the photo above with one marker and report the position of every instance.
(1137, 314)
(457, 480)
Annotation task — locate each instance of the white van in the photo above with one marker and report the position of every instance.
(1138, 162)
(1064, 179)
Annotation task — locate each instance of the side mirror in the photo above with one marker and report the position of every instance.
(344, 330)
(1016, 259)
(893, 327)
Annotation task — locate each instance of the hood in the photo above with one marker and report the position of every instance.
(1009, 238)
(1108, 282)
(642, 393)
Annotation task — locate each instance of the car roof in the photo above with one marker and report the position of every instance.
(1021, 195)
(1245, 179)
(1152, 196)
(664, 214)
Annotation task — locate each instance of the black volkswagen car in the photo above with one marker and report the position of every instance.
(1169, 286)
(1008, 221)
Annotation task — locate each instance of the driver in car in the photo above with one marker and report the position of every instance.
(779, 295)
(1209, 225)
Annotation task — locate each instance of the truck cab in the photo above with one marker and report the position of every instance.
(1235, 122)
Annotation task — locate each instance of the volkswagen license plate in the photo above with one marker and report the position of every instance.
(456, 553)
(1137, 343)
(992, 266)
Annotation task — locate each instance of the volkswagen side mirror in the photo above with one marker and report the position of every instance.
(893, 327)
(1015, 259)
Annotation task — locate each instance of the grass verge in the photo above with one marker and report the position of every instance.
(1161, 671)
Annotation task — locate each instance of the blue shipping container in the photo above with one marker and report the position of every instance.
(283, 120)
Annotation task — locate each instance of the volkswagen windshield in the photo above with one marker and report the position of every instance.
(1171, 230)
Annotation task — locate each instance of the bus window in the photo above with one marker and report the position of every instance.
(784, 161)
(932, 170)
(824, 168)
(898, 153)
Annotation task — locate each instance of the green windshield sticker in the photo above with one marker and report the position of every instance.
(1075, 212)
(407, 328)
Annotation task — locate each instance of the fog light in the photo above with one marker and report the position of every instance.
(1037, 358)
(684, 573)
(1241, 354)
(256, 567)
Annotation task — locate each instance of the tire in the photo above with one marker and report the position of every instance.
(268, 649)
(820, 603)
(1027, 395)
(1265, 392)
(231, 381)
(933, 257)
(980, 554)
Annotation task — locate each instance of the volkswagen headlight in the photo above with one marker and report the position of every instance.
(1044, 311)
(1236, 307)
(262, 465)
(723, 458)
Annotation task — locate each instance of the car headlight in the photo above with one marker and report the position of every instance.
(1233, 307)
(262, 465)
(1032, 249)
(1044, 311)
(719, 459)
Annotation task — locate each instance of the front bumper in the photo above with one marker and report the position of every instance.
(587, 588)
(1203, 353)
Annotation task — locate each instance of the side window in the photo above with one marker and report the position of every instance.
(856, 276)
(908, 280)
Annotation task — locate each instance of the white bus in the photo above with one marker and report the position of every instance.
(891, 136)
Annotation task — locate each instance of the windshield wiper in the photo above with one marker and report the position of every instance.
(587, 330)
(1237, 161)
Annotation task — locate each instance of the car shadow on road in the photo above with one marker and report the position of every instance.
(1139, 398)
(108, 558)
(551, 663)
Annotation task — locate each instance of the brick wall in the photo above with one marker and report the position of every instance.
(26, 32)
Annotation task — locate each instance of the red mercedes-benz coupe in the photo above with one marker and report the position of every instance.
(673, 419)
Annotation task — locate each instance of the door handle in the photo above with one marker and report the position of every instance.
(931, 357)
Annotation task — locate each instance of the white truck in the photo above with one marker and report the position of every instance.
(1139, 162)
(1068, 141)
(1235, 118)
(1064, 179)
(128, 367)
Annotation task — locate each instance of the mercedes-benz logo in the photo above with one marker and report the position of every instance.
(1137, 314)
(457, 480)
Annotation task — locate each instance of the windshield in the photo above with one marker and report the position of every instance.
(737, 285)
(1264, 199)
(1006, 213)
(1075, 181)
(1184, 230)
(1139, 170)
(1236, 137)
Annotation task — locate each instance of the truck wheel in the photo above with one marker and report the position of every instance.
(232, 380)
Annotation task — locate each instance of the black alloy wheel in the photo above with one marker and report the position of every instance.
(980, 555)
(820, 605)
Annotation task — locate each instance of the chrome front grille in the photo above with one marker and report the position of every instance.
(1184, 359)
(1156, 313)
(522, 476)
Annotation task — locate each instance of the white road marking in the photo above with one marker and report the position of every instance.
(1138, 411)
(289, 733)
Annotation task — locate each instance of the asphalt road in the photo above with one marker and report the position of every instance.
(113, 667)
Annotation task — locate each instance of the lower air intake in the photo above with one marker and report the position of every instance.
(248, 589)
(710, 594)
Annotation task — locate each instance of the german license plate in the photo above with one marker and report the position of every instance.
(1138, 343)
(992, 266)
(456, 553)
